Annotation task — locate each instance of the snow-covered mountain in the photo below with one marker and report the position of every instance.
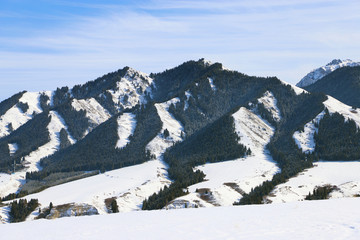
(316, 74)
(197, 135)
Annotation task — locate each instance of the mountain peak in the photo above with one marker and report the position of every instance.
(321, 72)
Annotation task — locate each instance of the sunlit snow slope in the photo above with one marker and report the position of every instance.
(228, 181)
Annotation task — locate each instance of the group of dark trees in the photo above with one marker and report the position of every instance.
(13, 196)
(320, 193)
(21, 209)
(97, 150)
(10, 102)
(337, 138)
(76, 121)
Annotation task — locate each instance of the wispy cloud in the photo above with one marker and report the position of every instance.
(282, 38)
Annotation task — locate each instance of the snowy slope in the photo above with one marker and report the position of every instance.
(334, 105)
(131, 88)
(321, 72)
(212, 85)
(322, 220)
(187, 95)
(129, 185)
(269, 102)
(305, 139)
(159, 144)
(227, 181)
(11, 183)
(94, 111)
(345, 175)
(16, 117)
(126, 127)
(296, 89)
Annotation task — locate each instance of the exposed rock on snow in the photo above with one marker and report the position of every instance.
(321, 72)
(132, 89)
(94, 111)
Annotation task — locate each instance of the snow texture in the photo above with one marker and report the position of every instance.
(126, 127)
(334, 105)
(305, 139)
(16, 117)
(12, 183)
(212, 85)
(296, 89)
(321, 72)
(270, 102)
(159, 144)
(228, 181)
(188, 95)
(94, 111)
(131, 88)
(344, 175)
(335, 219)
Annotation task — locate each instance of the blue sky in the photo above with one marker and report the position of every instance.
(49, 43)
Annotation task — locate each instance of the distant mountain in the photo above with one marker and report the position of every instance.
(259, 132)
(321, 72)
(342, 84)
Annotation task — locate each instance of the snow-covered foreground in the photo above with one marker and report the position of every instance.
(344, 175)
(327, 219)
(129, 185)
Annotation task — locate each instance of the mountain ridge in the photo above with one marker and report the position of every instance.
(128, 118)
(318, 73)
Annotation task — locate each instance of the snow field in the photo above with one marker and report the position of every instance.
(335, 219)
(126, 127)
(305, 140)
(269, 102)
(129, 185)
(228, 180)
(159, 144)
(345, 175)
